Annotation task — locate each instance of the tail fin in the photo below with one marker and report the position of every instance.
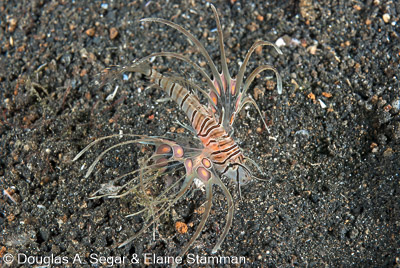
(142, 67)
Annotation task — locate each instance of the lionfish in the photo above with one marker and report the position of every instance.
(218, 156)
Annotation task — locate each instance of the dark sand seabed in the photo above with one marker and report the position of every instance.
(332, 161)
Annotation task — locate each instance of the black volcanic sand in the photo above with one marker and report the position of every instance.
(331, 190)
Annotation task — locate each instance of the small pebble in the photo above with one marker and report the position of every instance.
(12, 24)
(181, 227)
(280, 42)
(386, 18)
(312, 50)
(113, 33)
(270, 209)
(326, 94)
(388, 152)
(90, 32)
(311, 96)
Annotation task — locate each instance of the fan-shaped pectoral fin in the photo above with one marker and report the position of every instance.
(184, 188)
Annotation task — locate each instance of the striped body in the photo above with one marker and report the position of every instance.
(223, 149)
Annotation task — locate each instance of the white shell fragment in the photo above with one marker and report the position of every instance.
(323, 105)
(280, 42)
(112, 95)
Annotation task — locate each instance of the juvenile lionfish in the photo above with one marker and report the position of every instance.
(218, 156)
